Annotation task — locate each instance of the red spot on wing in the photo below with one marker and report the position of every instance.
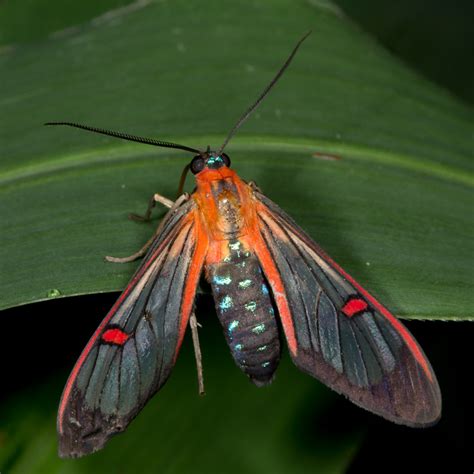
(93, 339)
(115, 336)
(354, 306)
(396, 324)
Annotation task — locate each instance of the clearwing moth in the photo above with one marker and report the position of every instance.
(261, 266)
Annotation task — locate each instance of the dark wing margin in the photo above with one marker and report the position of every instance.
(131, 354)
(339, 333)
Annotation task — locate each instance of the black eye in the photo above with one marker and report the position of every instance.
(225, 159)
(197, 164)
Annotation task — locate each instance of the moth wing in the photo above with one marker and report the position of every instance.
(131, 354)
(339, 333)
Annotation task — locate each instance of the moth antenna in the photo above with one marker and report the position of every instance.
(126, 136)
(267, 89)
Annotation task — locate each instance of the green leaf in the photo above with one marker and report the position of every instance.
(395, 210)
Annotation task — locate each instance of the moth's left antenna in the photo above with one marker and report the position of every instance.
(126, 136)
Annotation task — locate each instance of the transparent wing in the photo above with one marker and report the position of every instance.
(131, 354)
(338, 333)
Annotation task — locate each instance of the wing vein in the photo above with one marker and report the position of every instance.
(320, 278)
(167, 301)
(267, 235)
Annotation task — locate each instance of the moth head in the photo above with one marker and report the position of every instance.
(209, 160)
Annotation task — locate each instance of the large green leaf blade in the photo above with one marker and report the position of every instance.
(399, 199)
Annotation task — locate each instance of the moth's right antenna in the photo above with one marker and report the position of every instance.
(267, 89)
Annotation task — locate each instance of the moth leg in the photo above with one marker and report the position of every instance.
(151, 204)
(156, 198)
(163, 200)
(254, 186)
(134, 256)
(197, 351)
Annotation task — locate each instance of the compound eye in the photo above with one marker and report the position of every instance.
(197, 164)
(225, 159)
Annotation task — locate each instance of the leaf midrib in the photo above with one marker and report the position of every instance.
(117, 153)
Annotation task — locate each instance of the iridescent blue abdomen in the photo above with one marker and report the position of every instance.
(245, 310)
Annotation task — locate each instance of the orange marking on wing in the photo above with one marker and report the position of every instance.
(278, 289)
(131, 285)
(408, 338)
(194, 273)
(403, 331)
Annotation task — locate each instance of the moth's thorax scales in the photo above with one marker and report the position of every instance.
(227, 209)
(242, 296)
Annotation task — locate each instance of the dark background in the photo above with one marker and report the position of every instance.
(434, 37)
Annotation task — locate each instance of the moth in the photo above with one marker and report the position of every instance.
(265, 273)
